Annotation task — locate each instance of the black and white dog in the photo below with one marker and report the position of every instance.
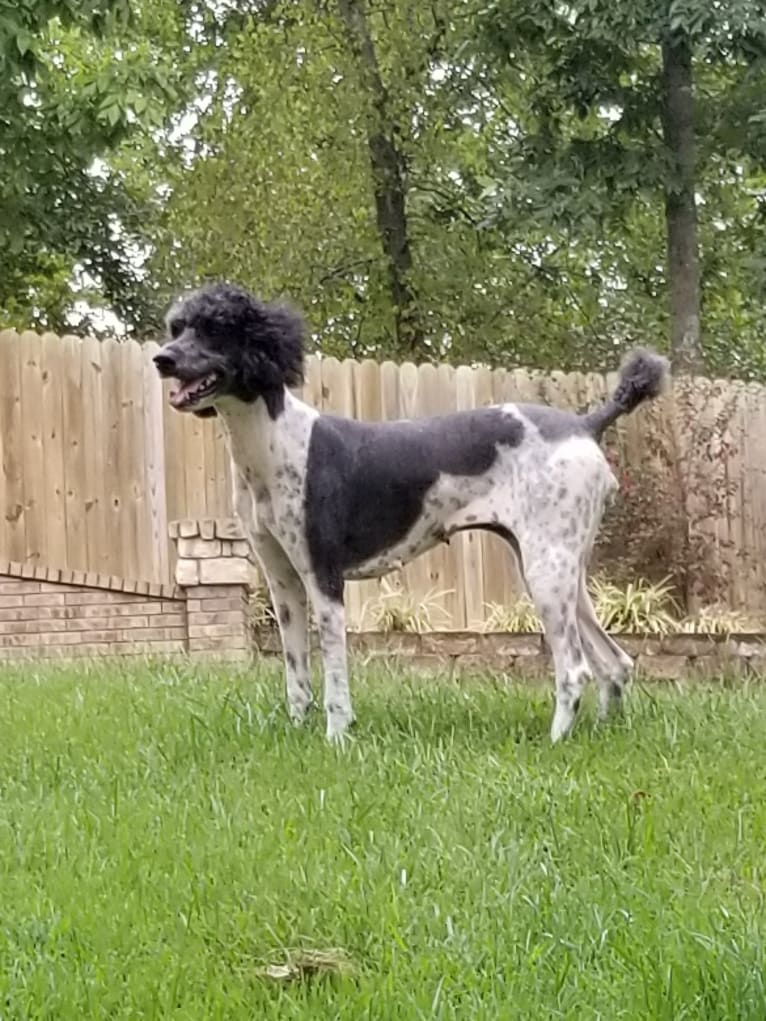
(325, 499)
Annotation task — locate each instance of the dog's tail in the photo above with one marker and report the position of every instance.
(643, 376)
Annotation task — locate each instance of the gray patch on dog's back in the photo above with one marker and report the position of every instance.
(366, 482)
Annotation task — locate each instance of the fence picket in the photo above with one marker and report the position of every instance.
(13, 520)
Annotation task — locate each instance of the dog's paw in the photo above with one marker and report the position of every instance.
(299, 713)
(563, 722)
(338, 724)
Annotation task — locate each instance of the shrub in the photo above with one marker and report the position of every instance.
(397, 610)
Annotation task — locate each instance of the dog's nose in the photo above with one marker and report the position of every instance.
(165, 362)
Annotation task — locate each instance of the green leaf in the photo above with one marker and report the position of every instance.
(24, 43)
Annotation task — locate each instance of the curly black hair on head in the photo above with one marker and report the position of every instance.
(260, 345)
(271, 356)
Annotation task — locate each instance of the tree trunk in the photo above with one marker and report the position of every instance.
(388, 175)
(680, 205)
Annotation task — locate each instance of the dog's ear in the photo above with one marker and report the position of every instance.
(272, 351)
(287, 328)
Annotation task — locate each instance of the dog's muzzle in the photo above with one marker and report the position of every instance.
(189, 392)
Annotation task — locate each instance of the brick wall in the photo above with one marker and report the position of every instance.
(217, 621)
(47, 613)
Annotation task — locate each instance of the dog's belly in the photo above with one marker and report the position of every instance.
(395, 557)
(449, 509)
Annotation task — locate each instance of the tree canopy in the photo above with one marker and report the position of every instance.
(528, 183)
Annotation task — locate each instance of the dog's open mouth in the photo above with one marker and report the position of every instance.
(189, 394)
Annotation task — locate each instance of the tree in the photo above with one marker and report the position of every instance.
(314, 154)
(74, 86)
(275, 185)
(494, 188)
(677, 113)
(600, 79)
(388, 175)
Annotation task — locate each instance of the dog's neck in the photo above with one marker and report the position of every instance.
(259, 444)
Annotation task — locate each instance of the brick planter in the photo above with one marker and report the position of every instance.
(45, 613)
(215, 570)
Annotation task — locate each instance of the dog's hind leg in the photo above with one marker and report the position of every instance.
(611, 665)
(552, 573)
(327, 601)
(288, 597)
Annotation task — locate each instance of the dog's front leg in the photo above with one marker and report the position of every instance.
(288, 597)
(331, 624)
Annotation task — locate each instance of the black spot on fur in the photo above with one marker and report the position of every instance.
(290, 660)
(284, 614)
(366, 482)
(576, 706)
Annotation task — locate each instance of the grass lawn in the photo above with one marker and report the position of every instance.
(165, 835)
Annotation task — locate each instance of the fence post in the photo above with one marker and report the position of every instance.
(215, 570)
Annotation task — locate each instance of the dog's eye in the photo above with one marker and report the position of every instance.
(176, 328)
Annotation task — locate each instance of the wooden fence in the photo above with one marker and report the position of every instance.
(95, 463)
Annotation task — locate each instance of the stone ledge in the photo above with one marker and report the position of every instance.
(206, 528)
(214, 571)
(671, 658)
(206, 549)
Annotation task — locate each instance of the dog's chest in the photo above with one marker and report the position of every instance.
(279, 504)
(270, 458)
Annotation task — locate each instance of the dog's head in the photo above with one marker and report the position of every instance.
(224, 343)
